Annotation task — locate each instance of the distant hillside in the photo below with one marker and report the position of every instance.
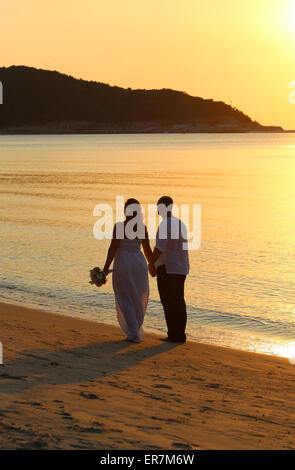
(42, 101)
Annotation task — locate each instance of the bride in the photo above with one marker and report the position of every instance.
(130, 270)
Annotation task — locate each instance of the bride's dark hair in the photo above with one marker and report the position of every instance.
(128, 203)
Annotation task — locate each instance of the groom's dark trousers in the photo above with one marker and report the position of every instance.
(171, 290)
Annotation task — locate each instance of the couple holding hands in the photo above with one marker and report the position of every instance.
(168, 262)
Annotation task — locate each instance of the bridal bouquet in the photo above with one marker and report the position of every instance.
(97, 277)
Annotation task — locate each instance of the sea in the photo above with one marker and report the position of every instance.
(240, 291)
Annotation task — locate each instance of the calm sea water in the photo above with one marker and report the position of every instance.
(241, 289)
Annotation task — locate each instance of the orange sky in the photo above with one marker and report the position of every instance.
(241, 52)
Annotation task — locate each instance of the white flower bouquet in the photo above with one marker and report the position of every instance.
(98, 277)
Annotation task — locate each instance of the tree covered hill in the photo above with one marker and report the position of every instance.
(36, 100)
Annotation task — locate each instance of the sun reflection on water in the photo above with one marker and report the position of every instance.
(285, 350)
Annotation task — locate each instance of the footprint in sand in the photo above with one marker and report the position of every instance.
(213, 385)
(89, 396)
(162, 386)
(4, 375)
(181, 445)
(96, 428)
(66, 415)
(30, 403)
(37, 443)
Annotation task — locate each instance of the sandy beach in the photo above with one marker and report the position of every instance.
(73, 384)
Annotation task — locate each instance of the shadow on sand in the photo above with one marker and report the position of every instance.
(69, 366)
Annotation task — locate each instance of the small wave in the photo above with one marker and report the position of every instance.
(62, 297)
(247, 323)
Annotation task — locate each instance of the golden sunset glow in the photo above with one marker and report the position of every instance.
(231, 50)
(286, 350)
(290, 17)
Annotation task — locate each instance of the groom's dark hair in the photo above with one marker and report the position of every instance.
(166, 200)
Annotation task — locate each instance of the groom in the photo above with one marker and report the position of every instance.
(172, 265)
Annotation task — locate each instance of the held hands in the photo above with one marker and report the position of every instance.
(152, 270)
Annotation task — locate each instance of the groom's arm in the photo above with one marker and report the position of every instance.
(159, 249)
(161, 240)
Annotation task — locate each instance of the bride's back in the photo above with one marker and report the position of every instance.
(130, 245)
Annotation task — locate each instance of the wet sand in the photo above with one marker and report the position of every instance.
(68, 383)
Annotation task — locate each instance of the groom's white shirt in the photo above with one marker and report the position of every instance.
(171, 235)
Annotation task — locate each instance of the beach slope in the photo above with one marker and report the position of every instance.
(73, 384)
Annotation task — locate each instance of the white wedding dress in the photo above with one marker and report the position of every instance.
(131, 287)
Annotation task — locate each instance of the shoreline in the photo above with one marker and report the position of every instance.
(68, 383)
(121, 132)
(147, 330)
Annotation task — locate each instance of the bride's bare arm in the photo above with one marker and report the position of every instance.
(111, 252)
(148, 254)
